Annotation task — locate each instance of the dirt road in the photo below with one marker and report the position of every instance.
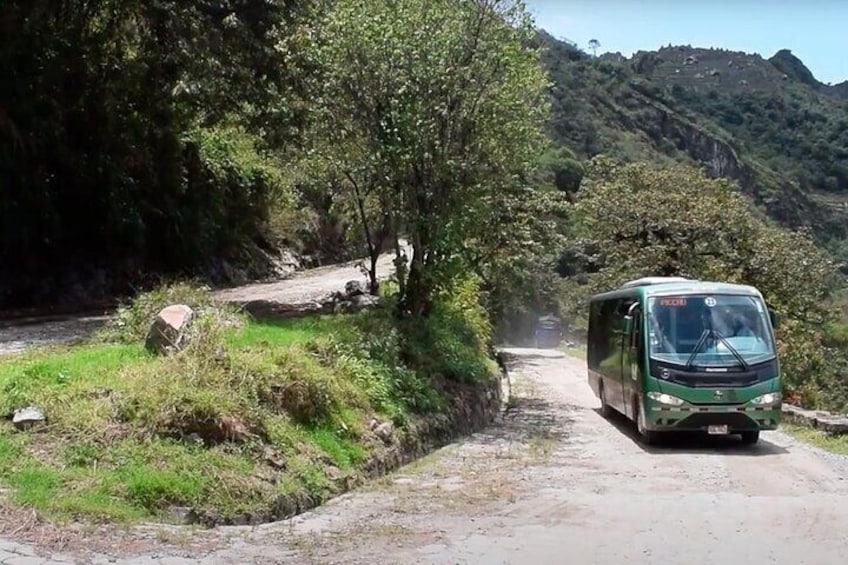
(304, 286)
(553, 482)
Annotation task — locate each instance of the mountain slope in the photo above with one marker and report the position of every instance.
(767, 124)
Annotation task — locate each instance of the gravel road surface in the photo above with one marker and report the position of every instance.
(308, 285)
(551, 482)
(304, 286)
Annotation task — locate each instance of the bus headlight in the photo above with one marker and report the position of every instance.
(666, 399)
(769, 398)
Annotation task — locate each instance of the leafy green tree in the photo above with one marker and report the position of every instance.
(447, 100)
(640, 220)
(561, 168)
(130, 133)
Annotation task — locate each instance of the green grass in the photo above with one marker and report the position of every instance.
(244, 414)
(290, 332)
(833, 443)
(22, 376)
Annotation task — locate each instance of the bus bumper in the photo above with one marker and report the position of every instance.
(713, 419)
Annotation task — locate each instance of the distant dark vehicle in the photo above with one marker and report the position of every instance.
(548, 332)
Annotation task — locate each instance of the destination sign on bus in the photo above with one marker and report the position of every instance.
(673, 301)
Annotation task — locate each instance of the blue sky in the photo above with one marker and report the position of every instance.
(815, 31)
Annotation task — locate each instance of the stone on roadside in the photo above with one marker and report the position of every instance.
(353, 288)
(364, 301)
(24, 418)
(169, 331)
(182, 515)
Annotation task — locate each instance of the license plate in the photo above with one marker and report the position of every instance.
(717, 430)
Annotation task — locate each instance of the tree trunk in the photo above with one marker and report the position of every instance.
(373, 283)
(417, 301)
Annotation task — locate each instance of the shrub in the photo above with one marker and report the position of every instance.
(132, 319)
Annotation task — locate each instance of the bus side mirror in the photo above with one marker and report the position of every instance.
(775, 318)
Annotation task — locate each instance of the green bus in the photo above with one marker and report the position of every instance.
(674, 354)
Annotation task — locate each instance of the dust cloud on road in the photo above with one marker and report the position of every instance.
(554, 482)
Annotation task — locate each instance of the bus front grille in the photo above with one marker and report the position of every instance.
(734, 420)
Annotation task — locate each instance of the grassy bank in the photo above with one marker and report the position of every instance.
(833, 443)
(250, 413)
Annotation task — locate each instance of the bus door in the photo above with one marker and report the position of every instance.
(631, 354)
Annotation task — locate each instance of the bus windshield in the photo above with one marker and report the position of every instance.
(714, 330)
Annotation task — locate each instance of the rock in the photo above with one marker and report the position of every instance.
(210, 518)
(285, 506)
(363, 301)
(169, 331)
(353, 288)
(274, 459)
(259, 517)
(385, 431)
(356, 303)
(834, 425)
(27, 417)
(345, 306)
(269, 309)
(233, 429)
(182, 514)
(333, 473)
(239, 520)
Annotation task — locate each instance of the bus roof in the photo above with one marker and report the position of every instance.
(657, 286)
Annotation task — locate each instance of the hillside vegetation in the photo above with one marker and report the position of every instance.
(766, 124)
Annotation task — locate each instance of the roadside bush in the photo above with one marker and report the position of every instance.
(132, 320)
(454, 341)
(240, 416)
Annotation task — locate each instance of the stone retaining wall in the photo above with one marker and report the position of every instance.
(834, 424)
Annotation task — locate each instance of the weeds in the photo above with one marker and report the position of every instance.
(828, 442)
(132, 320)
(246, 412)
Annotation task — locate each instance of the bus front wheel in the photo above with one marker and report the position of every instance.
(649, 437)
(750, 438)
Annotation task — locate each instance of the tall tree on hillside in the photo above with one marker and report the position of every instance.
(594, 44)
(445, 103)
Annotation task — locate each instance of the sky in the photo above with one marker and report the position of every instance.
(816, 31)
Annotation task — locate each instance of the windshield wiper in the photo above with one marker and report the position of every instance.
(698, 345)
(732, 349)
